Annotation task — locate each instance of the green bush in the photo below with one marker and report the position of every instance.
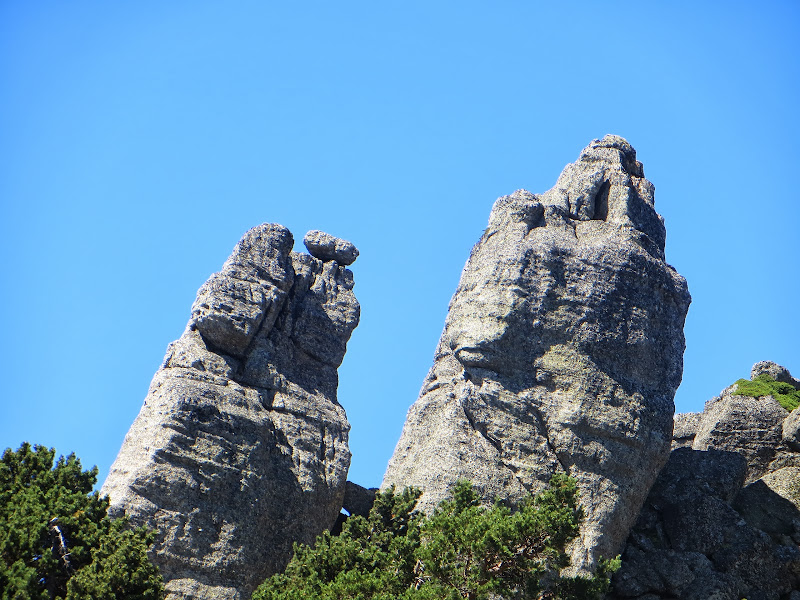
(764, 385)
(462, 550)
(56, 540)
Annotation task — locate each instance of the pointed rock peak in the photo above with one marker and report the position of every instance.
(561, 352)
(326, 247)
(605, 185)
(625, 153)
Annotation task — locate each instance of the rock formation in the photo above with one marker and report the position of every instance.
(241, 446)
(701, 534)
(757, 428)
(562, 351)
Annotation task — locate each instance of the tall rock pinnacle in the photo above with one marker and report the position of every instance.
(561, 352)
(241, 447)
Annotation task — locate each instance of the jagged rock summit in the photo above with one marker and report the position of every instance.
(562, 351)
(241, 446)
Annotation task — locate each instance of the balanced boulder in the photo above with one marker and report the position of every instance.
(241, 446)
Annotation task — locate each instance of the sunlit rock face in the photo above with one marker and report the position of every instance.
(561, 352)
(241, 446)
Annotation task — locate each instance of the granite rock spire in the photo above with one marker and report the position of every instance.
(241, 446)
(561, 352)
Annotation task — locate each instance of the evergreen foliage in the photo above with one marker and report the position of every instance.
(764, 385)
(56, 540)
(462, 550)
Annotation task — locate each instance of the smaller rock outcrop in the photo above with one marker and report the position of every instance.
(723, 519)
(749, 426)
(358, 500)
(760, 429)
(690, 543)
(774, 370)
(685, 429)
(240, 448)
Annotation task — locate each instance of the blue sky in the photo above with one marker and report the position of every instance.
(139, 141)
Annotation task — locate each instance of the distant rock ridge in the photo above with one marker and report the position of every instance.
(240, 448)
(723, 519)
(561, 352)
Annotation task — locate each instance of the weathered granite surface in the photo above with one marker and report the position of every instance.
(698, 536)
(241, 446)
(758, 428)
(774, 370)
(701, 534)
(561, 351)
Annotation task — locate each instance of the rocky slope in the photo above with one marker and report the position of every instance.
(241, 446)
(723, 519)
(561, 351)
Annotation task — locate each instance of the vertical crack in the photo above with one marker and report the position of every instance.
(481, 429)
(540, 422)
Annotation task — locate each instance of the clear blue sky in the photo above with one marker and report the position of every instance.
(140, 140)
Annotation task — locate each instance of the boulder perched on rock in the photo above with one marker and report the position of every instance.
(561, 352)
(325, 247)
(241, 446)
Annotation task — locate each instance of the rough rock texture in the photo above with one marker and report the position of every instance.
(685, 429)
(690, 543)
(790, 430)
(750, 426)
(758, 428)
(562, 351)
(700, 534)
(241, 447)
(772, 504)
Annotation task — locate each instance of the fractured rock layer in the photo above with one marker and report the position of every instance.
(562, 351)
(241, 446)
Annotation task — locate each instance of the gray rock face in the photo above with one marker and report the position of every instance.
(241, 446)
(685, 429)
(691, 543)
(358, 500)
(562, 351)
(750, 426)
(790, 430)
(700, 534)
(757, 428)
(772, 504)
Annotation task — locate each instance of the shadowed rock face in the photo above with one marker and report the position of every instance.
(241, 446)
(562, 351)
(700, 536)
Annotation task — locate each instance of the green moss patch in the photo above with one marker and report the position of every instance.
(764, 385)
